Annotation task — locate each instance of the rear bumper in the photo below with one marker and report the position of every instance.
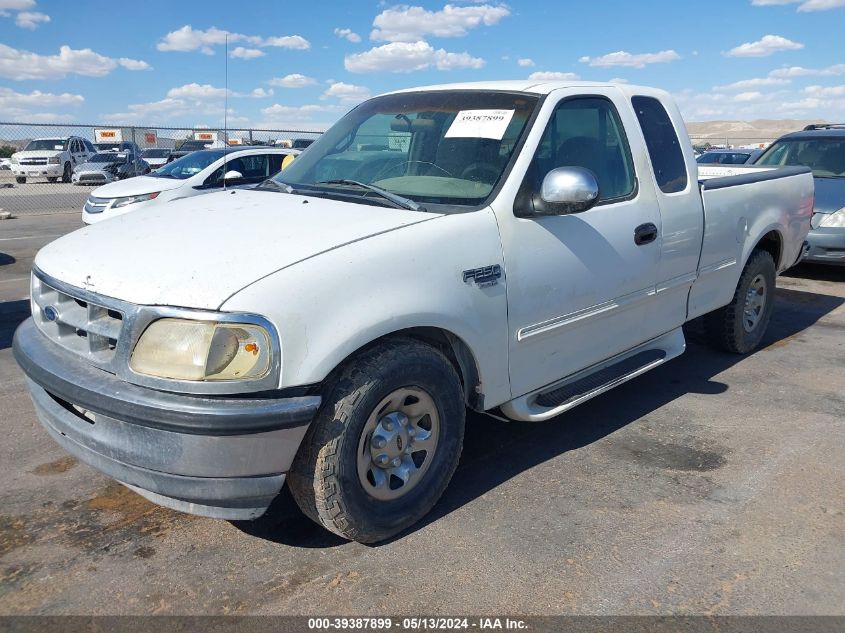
(827, 246)
(213, 456)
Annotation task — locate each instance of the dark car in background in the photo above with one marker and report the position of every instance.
(728, 156)
(108, 167)
(156, 156)
(822, 149)
(186, 148)
(124, 146)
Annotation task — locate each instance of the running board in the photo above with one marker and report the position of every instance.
(565, 394)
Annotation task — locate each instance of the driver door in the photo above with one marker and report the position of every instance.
(579, 286)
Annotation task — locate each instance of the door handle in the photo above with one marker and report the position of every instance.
(645, 234)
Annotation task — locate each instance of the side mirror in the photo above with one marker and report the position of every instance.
(232, 175)
(567, 190)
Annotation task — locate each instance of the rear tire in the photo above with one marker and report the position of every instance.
(740, 326)
(52, 179)
(364, 470)
(20, 180)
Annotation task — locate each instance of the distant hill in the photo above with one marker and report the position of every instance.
(761, 131)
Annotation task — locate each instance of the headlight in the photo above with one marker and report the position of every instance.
(53, 160)
(14, 160)
(202, 350)
(122, 202)
(834, 220)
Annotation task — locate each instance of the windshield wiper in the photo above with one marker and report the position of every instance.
(400, 201)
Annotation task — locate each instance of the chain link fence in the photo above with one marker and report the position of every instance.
(52, 170)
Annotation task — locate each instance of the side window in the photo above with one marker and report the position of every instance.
(664, 150)
(586, 132)
(275, 163)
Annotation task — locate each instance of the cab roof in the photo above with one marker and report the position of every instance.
(538, 87)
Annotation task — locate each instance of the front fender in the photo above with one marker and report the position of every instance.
(331, 305)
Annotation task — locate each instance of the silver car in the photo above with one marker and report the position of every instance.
(108, 167)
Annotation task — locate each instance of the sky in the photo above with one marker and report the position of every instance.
(301, 65)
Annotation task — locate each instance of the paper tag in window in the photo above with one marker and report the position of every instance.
(480, 124)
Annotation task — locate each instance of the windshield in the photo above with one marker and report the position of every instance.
(52, 144)
(189, 165)
(431, 147)
(825, 156)
(108, 158)
(723, 158)
(155, 153)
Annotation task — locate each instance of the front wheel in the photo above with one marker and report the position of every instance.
(385, 442)
(739, 326)
(20, 179)
(66, 173)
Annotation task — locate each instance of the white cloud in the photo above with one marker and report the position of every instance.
(525, 62)
(799, 71)
(168, 110)
(347, 93)
(404, 57)
(619, 80)
(240, 52)
(304, 117)
(134, 64)
(552, 76)
(11, 101)
(825, 91)
(348, 34)
(803, 5)
(757, 82)
(189, 39)
(631, 60)
(31, 19)
(748, 96)
(204, 92)
(15, 5)
(294, 80)
(767, 45)
(411, 24)
(20, 64)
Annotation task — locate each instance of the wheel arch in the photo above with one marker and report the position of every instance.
(772, 243)
(456, 350)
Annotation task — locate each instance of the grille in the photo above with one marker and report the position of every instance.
(92, 178)
(33, 161)
(79, 326)
(96, 205)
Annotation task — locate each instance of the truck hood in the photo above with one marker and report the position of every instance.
(38, 153)
(199, 251)
(137, 186)
(830, 194)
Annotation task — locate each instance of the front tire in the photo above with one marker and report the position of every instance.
(20, 180)
(740, 326)
(66, 173)
(384, 444)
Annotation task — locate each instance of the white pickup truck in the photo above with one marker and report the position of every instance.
(512, 247)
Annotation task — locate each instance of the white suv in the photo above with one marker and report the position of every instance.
(51, 158)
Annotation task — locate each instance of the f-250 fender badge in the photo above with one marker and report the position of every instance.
(484, 276)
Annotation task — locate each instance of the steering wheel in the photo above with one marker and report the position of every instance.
(480, 169)
(409, 162)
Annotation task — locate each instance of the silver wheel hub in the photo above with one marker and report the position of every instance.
(398, 443)
(755, 303)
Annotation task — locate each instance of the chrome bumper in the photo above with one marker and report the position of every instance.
(826, 246)
(217, 456)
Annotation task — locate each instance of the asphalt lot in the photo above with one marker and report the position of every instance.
(37, 196)
(712, 485)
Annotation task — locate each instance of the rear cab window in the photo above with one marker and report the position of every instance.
(664, 149)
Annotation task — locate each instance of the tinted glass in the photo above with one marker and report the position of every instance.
(108, 157)
(587, 133)
(52, 144)
(189, 165)
(825, 156)
(254, 168)
(448, 147)
(664, 150)
(155, 153)
(723, 158)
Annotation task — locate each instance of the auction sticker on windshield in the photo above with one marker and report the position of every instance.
(480, 124)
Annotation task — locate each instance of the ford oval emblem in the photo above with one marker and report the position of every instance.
(50, 313)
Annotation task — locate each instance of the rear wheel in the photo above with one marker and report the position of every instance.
(385, 443)
(740, 326)
(20, 179)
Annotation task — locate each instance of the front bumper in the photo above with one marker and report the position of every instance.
(38, 171)
(827, 246)
(220, 457)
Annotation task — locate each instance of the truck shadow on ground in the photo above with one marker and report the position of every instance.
(496, 451)
(818, 272)
(12, 314)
